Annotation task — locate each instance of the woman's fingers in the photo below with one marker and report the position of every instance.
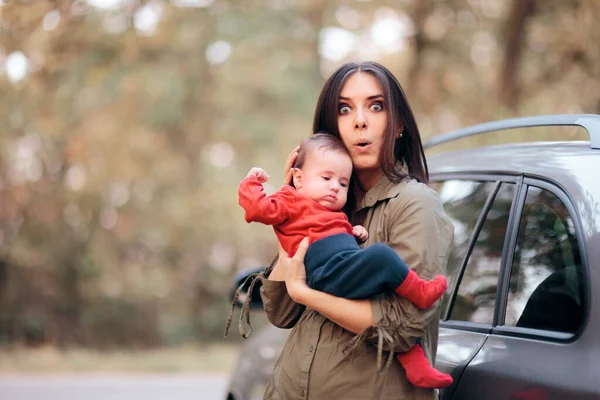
(295, 271)
(301, 252)
(288, 177)
(282, 253)
(289, 164)
(292, 156)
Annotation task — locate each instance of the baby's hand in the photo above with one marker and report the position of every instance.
(258, 173)
(360, 232)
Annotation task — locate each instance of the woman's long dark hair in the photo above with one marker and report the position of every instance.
(407, 149)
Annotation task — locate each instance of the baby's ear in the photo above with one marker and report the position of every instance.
(297, 178)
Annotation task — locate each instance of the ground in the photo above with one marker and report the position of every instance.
(184, 359)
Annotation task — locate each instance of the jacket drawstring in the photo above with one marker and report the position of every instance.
(245, 307)
(383, 335)
(253, 279)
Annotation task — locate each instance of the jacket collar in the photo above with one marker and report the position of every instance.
(384, 189)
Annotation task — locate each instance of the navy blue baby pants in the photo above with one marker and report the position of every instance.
(338, 266)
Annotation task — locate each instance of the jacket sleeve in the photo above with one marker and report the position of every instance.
(282, 311)
(421, 233)
(271, 210)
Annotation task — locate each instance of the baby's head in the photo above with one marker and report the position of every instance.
(322, 170)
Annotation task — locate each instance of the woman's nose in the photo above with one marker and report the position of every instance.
(360, 122)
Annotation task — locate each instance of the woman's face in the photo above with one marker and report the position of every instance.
(362, 121)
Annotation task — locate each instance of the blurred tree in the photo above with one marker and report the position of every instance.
(515, 31)
(127, 126)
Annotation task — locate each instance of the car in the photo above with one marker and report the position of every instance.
(521, 316)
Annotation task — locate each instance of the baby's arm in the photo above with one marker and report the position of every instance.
(360, 232)
(270, 210)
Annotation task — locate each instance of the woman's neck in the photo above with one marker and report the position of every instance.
(368, 179)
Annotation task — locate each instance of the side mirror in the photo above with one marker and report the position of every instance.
(240, 278)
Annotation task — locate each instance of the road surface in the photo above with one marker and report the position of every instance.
(113, 387)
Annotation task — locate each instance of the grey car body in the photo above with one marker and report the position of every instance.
(521, 318)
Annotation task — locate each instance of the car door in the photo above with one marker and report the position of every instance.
(480, 208)
(536, 350)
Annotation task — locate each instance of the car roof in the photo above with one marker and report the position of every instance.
(556, 161)
(551, 160)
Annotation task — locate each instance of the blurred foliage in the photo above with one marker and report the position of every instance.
(127, 124)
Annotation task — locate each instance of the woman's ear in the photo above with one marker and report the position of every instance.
(297, 178)
(400, 129)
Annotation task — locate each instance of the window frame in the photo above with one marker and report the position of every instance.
(530, 333)
(522, 182)
(498, 179)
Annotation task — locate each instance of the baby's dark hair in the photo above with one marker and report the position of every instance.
(320, 140)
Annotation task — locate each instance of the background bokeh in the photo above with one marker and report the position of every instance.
(126, 125)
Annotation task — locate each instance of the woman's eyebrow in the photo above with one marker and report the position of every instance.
(375, 96)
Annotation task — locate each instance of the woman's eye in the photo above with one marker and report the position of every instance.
(344, 110)
(376, 107)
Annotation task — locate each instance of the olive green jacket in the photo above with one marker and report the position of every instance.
(323, 361)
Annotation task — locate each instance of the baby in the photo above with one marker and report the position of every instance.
(334, 261)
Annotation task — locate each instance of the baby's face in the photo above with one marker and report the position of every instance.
(325, 178)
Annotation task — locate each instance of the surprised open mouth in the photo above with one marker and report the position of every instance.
(362, 144)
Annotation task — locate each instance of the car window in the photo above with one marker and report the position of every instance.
(463, 201)
(476, 296)
(546, 279)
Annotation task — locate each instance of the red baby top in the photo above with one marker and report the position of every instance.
(292, 215)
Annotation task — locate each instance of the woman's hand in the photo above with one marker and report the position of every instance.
(288, 171)
(294, 272)
(352, 315)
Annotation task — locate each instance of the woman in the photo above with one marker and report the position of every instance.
(334, 348)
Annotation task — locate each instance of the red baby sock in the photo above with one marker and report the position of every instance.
(420, 292)
(419, 372)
